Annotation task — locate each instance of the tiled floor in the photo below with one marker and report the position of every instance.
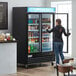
(46, 70)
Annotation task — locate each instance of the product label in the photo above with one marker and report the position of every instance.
(29, 56)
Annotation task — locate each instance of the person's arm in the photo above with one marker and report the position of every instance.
(49, 31)
(66, 34)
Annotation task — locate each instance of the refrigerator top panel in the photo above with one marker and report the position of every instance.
(40, 10)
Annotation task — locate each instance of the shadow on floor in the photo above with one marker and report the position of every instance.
(33, 66)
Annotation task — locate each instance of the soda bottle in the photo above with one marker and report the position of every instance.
(33, 21)
(11, 38)
(28, 49)
(32, 48)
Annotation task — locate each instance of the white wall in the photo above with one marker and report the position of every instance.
(74, 27)
(24, 3)
(59, 0)
(39, 3)
(47, 3)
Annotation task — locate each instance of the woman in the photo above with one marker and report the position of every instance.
(58, 30)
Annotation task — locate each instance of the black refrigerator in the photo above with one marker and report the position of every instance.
(35, 45)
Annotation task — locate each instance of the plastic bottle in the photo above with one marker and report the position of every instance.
(32, 48)
(28, 49)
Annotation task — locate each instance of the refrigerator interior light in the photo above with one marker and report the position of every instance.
(41, 9)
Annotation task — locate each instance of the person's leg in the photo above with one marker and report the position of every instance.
(56, 51)
(61, 51)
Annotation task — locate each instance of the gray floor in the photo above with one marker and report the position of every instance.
(44, 70)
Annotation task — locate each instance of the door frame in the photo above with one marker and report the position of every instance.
(67, 28)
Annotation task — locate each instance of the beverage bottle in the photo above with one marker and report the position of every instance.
(35, 49)
(28, 34)
(32, 34)
(11, 38)
(30, 27)
(32, 48)
(28, 21)
(36, 40)
(28, 49)
(8, 38)
(42, 40)
(33, 21)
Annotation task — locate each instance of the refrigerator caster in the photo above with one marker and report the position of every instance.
(52, 63)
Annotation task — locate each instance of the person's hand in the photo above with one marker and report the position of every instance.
(48, 27)
(69, 33)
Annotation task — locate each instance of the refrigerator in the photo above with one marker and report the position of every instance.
(38, 38)
(35, 44)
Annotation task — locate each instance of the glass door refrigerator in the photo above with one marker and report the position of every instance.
(40, 43)
(35, 45)
(33, 33)
(38, 38)
(47, 38)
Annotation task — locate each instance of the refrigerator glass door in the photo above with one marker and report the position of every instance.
(47, 38)
(33, 33)
(64, 19)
